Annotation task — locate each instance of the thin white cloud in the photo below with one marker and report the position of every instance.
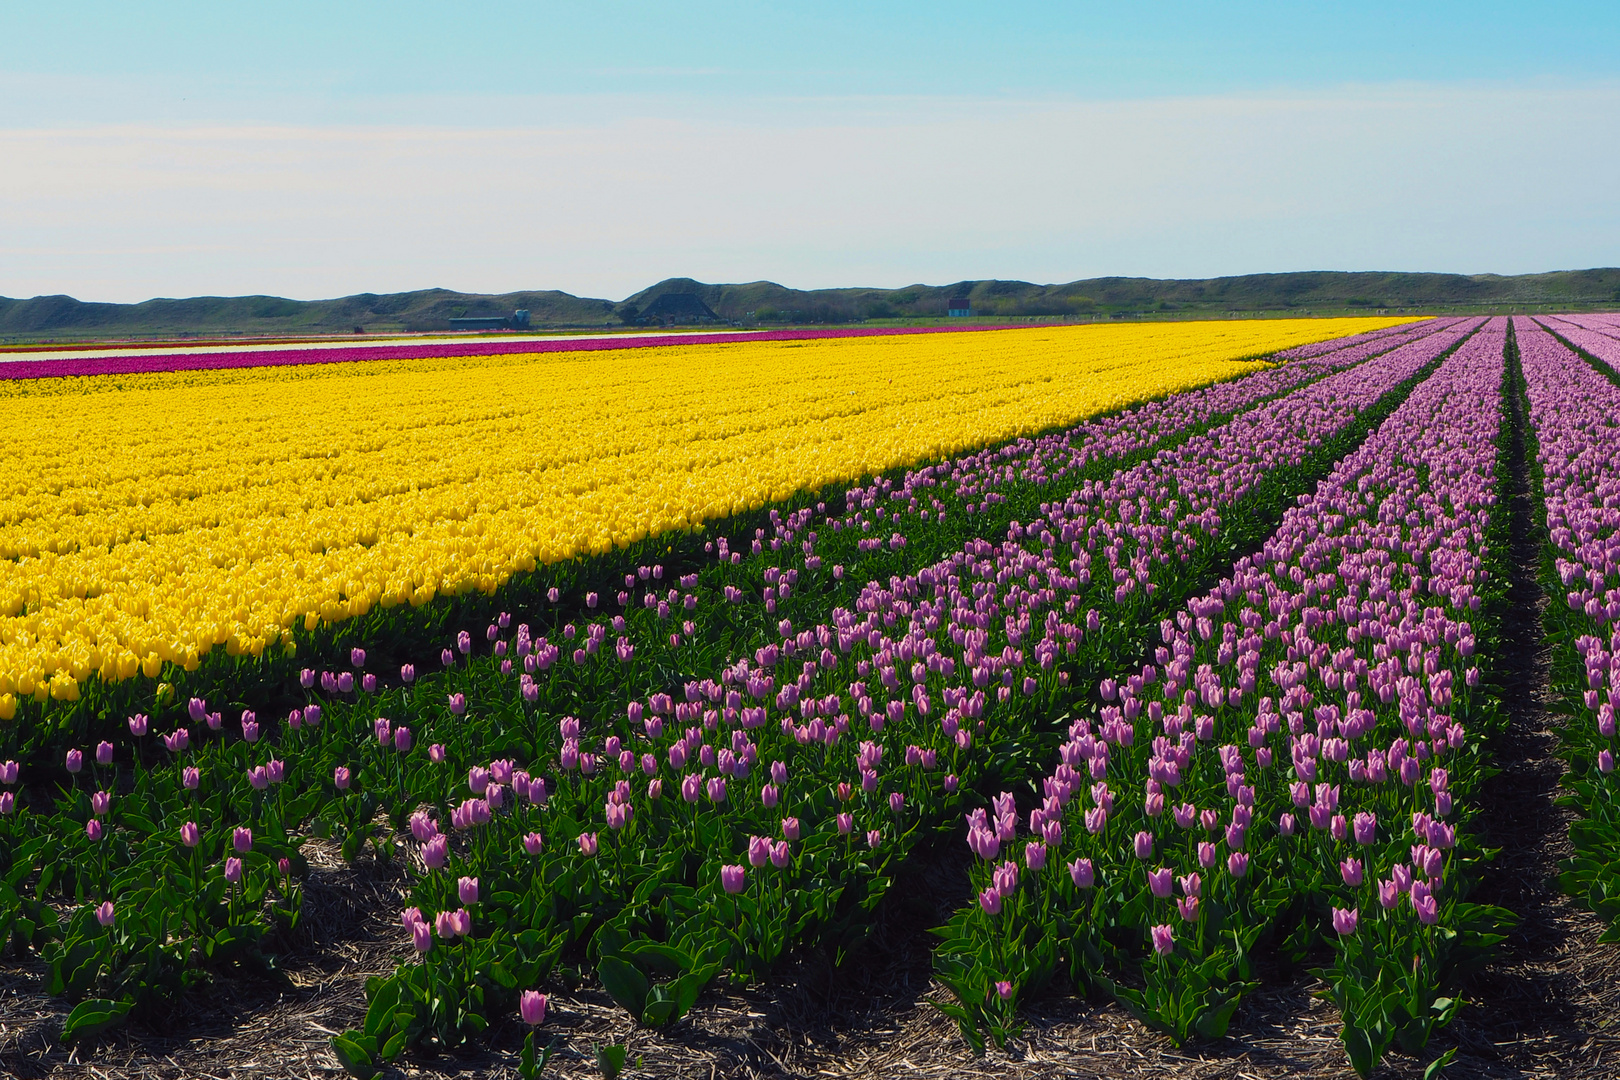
(884, 192)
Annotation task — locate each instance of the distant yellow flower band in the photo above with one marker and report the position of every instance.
(152, 517)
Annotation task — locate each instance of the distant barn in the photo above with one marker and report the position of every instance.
(959, 307)
(518, 320)
(672, 308)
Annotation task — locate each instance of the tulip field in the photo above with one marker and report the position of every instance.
(651, 668)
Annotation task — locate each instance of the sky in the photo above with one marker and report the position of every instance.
(315, 150)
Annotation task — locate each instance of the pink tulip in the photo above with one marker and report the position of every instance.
(100, 803)
(75, 761)
(233, 870)
(242, 839)
(104, 913)
(92, 828)
(8, 772)
(533, 843)
(733, 878)
(467, 889)
(1164, 940)
(190, 834)
(191, 777)
(1344, 922)
(138, 724)
(436, 852)
(587, 843)
(341, 777)
(104, 753)
(407, 673)
(421, 937)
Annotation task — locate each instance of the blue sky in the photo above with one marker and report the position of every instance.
(321, 149)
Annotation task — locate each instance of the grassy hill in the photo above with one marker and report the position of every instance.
(62, 317)
(46, 318)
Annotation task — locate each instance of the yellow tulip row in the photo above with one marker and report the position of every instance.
(152, 518)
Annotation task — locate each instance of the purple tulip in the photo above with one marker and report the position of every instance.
(436, 852)
(421, 937)
(532, 1007)
(75, 761)
(1164, 940)
(533, 843)
(1344, 921)
(1143, 844)
(104, 913)
(191, 777)
(733, 878)
(190, 835)
(407, 673)
(92, 828)
(100, 803)
(467, 890)
(138, 725)
(1080, 871)
(587, 843)
(233, 870)
(8, 772)
(458, 703)
(104, 753)
(242, 839)
(1160, 882)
